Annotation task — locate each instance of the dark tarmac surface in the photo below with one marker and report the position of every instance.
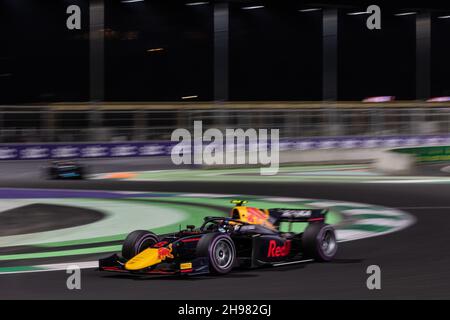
(35, 169)
(44, 217)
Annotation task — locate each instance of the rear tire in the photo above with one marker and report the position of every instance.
(220, 250)
(319, 242)
(137, 241)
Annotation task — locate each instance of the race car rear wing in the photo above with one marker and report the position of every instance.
(297, 215)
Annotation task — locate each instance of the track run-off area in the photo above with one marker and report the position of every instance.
(162, 213)
(398, 226)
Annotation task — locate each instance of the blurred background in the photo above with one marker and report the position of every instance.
(138, 69)
(363, 117)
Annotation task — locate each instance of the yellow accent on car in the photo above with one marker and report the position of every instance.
(145, 259)
(252, 216)
(239, 203)
(186, 265)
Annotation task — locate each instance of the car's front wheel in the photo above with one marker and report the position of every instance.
(137, 241)
(220, 250)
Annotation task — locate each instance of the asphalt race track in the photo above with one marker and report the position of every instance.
(414, 262)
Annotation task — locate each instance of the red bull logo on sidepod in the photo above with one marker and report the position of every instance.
(278, 251)
(165, 252)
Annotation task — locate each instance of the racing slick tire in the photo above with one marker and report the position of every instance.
(137, 241)
(220, 250)
(319, 242)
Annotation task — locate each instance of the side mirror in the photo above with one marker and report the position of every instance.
(190, 227)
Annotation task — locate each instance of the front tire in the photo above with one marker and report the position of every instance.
(137, 241)
(319, 242)
(220, 250)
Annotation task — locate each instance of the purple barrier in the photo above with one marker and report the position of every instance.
(146, 149)
(91, 150)
(363, 142)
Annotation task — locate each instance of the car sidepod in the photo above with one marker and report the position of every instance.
(269, 249)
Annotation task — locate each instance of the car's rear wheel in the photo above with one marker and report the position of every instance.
(319, 242)
(137, 241)
(220, 250)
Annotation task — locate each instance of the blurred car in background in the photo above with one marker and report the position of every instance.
(65, 170)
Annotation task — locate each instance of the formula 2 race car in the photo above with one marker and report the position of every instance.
(65, 170)
(250, 237)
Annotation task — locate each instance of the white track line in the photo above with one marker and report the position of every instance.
(292, 262)
(58, 267)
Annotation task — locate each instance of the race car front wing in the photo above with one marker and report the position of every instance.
(196, 266)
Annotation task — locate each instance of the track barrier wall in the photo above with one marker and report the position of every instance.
(163, 148)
